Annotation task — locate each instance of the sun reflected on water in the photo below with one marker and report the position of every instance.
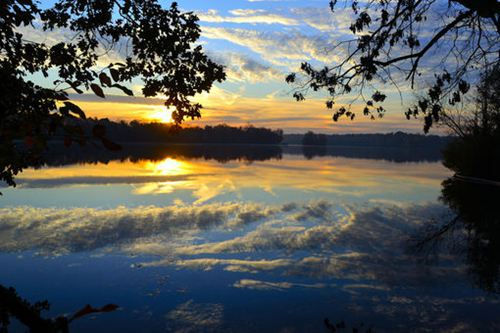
(206, 180)
(168, 166)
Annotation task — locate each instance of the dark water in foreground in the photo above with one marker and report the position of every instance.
(242, 240)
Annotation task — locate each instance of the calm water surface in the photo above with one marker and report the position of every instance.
(271, 242)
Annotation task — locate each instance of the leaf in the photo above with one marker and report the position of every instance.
(62, 96)
(64, 110)
(124, 89)
(75, 85)
(115, 74)
(75, 109)
(105, 80)
(97, 90)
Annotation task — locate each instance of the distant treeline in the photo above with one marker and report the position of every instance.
(135, 131)
(313, 139)
(398, 139)
(153, 132)
(139, 132)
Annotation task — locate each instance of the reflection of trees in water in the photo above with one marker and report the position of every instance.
(30, 315)
(473, 193)
(474, 229)
(311, 152)
(59, 155)
(477, 212)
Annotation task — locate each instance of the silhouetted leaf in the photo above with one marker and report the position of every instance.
(97, 90)
(75, 109)
(75, 85)
(105, 80)
(124, 89)
(115, 74)
(63, 96)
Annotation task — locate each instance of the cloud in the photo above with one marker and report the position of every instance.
(97, 180)
(52, 231)
(323, 20)
(246, 12)
(315, 239)
(233, 265)
(280, 48)
(365, 245)
(195, 317)
(357, 249)
(264, 285)
(319, 18)
(242, 68)
(248, 17)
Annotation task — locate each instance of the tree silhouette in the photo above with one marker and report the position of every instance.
(28, 314)
(476, 153)
(313, 139)
(152, 44)
(472, 193)
(398, 38)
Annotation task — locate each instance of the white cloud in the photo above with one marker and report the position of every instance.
(279, 48)
(242, 68)
(54, 231)
(265, 285)
(195, 317)
(248, 17)
(361, 244)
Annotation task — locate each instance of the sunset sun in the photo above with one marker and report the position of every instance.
(160, 114)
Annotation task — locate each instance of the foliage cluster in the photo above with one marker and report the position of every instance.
(107, 44)
(404, 40)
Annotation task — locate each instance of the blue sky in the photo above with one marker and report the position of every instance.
(260, 42)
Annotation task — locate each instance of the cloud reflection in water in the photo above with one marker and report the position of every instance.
(352, 250)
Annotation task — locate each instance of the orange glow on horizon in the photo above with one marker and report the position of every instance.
(290, 116)
(160, 114)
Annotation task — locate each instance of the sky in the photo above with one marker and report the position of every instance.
(260, 42)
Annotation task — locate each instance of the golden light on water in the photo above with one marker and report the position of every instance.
(168, 166)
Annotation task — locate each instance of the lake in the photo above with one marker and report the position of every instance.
(240, 239)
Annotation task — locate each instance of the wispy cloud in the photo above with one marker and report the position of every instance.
(195, 317)
(247, 16)
(242, 68)
(265, 285)
(360, 244)
(279, 48)
(54, 231)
